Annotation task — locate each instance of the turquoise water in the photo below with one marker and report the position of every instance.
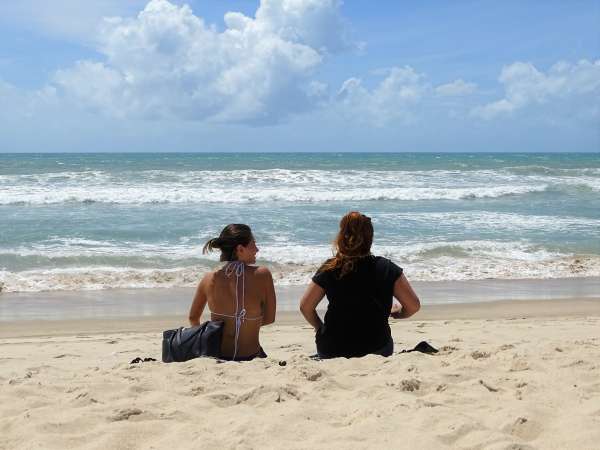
(94, 221)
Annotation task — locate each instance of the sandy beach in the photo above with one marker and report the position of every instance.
(162, 157)
(509, 375)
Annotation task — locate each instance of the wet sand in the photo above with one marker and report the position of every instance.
(118, 303)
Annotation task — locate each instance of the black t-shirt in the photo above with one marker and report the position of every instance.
(356, 322)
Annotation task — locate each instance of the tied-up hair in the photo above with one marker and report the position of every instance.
(232, 235)
(351, 243)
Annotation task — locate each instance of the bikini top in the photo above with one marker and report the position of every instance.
(237, 268)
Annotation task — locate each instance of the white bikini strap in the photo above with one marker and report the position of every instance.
(237, 268)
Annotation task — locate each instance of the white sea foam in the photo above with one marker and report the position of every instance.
(96, 278)
(293, 264)
(279, 247)
(153, 194)
(277, 185)
(90, 248)
(492, 221)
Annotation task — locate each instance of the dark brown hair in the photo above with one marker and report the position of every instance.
(352, 242)
(232, 235)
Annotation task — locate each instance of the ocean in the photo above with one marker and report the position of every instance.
(99, 221)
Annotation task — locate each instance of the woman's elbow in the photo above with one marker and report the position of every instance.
(415, 307)
(305, 309)
(268, 320)
(194, 317)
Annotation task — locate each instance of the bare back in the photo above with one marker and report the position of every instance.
(218, 290)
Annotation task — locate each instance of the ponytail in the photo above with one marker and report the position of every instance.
(231, 236)
(211, 244)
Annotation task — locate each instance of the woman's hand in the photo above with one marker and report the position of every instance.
(396, 308)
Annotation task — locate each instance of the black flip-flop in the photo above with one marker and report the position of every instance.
(139, 360)
(422, 347)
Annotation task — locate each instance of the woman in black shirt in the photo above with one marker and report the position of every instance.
(360, 289)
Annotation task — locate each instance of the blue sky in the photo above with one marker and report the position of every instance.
(299, 75)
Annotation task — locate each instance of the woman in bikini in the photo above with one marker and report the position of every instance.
(238, 293)
(360, 288)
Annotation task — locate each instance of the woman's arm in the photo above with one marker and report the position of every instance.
(270, 304)
(407, 298)
(199, 302)
(308, 304)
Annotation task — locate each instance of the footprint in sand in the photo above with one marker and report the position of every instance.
(83, 399)
(579, 362)
(447, 349)
(488, 386)
(506, 347)
(291, 346)
(480, 355)
(195, 391)
(312, 375)
(428, 404)
(410, 385)
(125, 414)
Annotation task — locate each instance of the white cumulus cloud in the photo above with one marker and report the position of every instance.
(456, 88)
(525, 85)
(400, 98)
(168, 63)
(391, 100)
(19, 104)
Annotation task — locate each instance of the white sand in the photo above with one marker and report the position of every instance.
(502, 383)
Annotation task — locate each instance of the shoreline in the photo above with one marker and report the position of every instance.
(175, 302)
(483, 311)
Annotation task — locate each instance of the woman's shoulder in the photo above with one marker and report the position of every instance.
(261, 271)
(324, 264)
(387, 268)
(208, 278)
(381, 259)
